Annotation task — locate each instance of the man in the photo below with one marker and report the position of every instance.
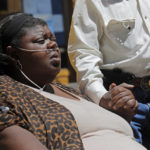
(110, 43)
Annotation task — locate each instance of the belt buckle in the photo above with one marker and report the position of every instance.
(145, 83)
(131, 79)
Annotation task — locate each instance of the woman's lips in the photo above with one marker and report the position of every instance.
(55, 59)
(56, 62)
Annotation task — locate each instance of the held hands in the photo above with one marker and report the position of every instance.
(120, 100)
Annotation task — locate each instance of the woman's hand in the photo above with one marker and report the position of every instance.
(120, 100)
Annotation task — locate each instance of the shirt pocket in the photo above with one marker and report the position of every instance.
(122, 33)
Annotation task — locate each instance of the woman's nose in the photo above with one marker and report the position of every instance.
(51, 44)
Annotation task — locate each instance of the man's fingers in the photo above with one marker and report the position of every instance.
(130, 104)
(124, 85)
(128, 86)
(124, 101)
(112, 86)
(117, 98)
(136, 106)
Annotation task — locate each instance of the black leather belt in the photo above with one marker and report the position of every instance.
(118, 76)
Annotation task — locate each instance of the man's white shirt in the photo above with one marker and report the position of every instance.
(107, 34)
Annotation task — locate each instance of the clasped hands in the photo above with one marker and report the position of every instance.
(120, 100)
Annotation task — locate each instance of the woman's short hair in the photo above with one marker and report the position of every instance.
(14, 27)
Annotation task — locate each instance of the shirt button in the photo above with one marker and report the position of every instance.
(145, 17)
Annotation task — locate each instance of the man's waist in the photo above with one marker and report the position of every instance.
(118, 76)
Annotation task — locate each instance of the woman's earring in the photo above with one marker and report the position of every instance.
(19, 65)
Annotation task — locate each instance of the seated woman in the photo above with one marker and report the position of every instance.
(37, 114)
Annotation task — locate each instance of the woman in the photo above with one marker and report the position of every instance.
(38, 114)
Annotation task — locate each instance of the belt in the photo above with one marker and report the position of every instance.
(118, 76)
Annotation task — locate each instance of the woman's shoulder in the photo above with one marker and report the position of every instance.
(6, 83)
(4, 79)
(9, 84)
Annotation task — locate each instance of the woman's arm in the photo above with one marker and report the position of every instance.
(17, 138)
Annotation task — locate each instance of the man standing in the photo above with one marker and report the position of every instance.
(110, 43)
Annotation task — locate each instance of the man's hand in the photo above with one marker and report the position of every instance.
(120, 100)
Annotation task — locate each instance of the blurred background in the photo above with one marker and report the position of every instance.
(57, 13)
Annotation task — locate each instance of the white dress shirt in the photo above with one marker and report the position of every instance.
(107, 34)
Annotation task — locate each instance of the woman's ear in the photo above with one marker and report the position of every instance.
(11, 51)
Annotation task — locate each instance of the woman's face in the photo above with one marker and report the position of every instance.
(41, 67)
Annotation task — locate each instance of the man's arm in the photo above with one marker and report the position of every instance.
(84, 48)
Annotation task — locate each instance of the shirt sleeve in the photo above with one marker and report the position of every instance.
(84, 48)
(9, 115)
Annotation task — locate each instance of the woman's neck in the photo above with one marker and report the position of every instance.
(20, 76)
